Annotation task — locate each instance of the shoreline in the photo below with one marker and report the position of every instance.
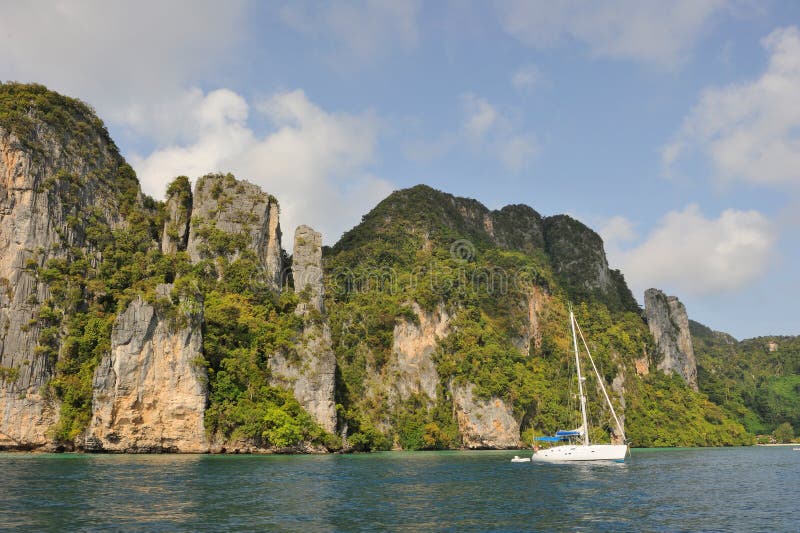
(10, 450)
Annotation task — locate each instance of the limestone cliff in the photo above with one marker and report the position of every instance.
(307, 269)
(61, 185)
(413, 370)
(579, 259)
(669, 324)
(229, 216)
(150, 391)
(484, 423)
(311, 373)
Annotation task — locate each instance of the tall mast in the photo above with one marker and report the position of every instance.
(585, 427)
(602, 387)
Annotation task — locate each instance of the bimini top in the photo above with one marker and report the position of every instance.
(550, 439)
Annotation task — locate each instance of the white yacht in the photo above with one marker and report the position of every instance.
(575, 443)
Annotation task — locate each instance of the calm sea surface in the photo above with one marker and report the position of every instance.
(736, 489)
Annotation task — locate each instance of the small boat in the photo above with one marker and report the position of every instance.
(518, 459)
(576, 445)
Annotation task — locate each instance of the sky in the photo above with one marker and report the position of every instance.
(671, 128)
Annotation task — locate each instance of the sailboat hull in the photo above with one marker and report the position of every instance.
(579, 452)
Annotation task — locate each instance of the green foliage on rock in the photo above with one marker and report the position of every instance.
(23, 107)
(420, 246)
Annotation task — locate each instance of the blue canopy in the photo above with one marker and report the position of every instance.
(549, 439)
(570, 433)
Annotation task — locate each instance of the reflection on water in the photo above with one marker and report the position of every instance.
(714, 489)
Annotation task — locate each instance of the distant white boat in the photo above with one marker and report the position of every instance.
(576, 445)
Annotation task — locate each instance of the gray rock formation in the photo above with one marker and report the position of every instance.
(577, 253)
(48, 188)
(175, 236)
(307, 269)
(484, 423)
(311, 373)
(230, 216)
(150, 391)
(669, 324)
(579, 260)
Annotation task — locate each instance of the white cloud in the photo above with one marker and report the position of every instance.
(120, 56)
(361, 30)
(526, 78)
(618, 229)
(314, 161)
(691, 254)
(489, 130)
(650, 31)
(750, 131)
(516, 152)
(479, 116)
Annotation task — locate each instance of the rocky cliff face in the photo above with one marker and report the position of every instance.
(311, 374)
(307, 269)
(413, 369)
(150, 390)
(55, 182)
(484, 423)
(230, 216)
(669, 324)
(579, 259)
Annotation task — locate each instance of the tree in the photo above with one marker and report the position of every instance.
(784, 432)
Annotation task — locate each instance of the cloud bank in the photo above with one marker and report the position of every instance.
(692, 254)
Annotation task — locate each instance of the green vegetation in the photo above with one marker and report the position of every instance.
(23, 107)
(245, 323)
(670, 414)
(784, 433)
(756, 381)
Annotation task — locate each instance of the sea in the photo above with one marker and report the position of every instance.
(708, 489)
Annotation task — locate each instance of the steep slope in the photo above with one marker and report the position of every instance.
(414, 217)
(131, 325)
(449, 324)
(149, 392)
(669, 324)
(66, 198)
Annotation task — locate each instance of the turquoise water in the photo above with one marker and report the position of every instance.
(736, 489)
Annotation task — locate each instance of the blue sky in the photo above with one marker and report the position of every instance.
(672, 128)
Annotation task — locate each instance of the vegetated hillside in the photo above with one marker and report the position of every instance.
(756, 381)
(132, 325)
(99, 282)
(483, 296)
